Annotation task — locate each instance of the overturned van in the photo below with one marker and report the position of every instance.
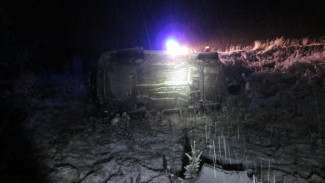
(155, 80)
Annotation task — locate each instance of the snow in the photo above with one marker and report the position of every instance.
(208, 174)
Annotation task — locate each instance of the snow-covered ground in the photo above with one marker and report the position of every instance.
(272, 127)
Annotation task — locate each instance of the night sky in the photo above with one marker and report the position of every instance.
(50, 33)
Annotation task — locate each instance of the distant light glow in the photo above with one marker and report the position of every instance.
(174, 48)
(184, 50)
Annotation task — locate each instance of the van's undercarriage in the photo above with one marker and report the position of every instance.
(153, 79)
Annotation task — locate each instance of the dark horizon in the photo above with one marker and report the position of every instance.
(57, 31)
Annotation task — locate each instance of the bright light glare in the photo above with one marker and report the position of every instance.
(184, 50)
(174, 48)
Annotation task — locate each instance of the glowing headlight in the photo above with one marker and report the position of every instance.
(174, 48)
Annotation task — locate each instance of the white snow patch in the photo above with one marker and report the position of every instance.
(209, 174)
